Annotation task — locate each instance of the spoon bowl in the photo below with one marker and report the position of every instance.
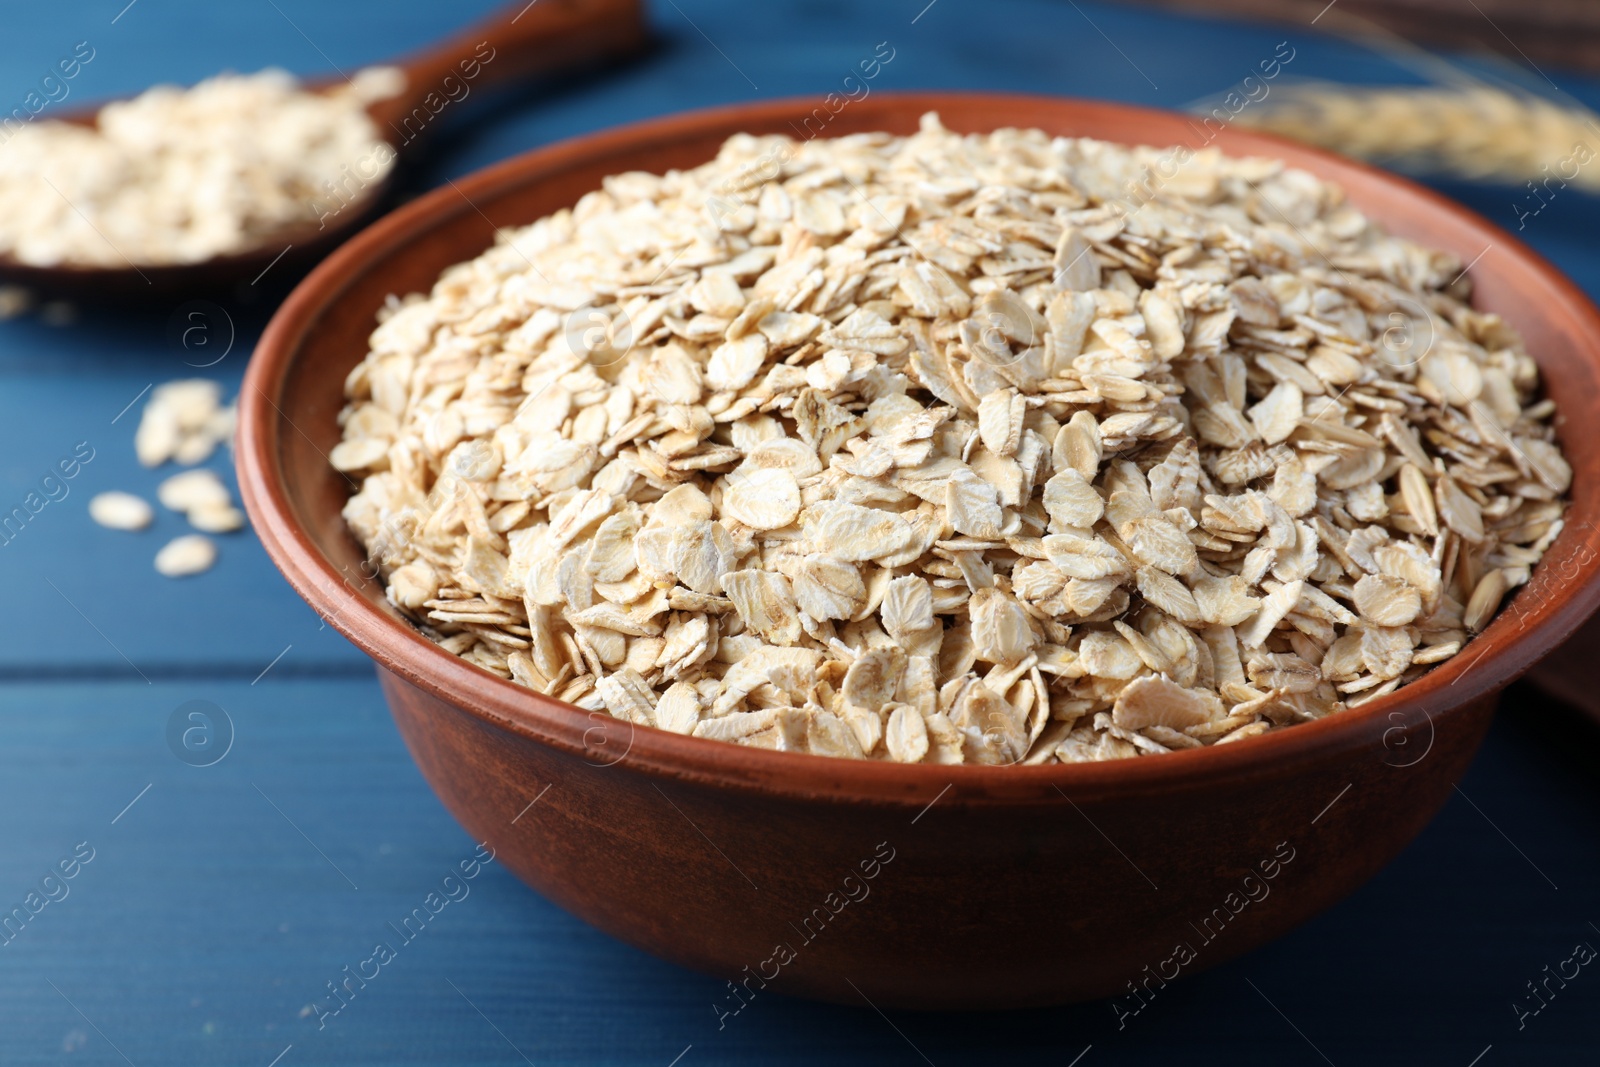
(522, 42)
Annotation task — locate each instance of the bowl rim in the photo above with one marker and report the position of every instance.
(402, 651)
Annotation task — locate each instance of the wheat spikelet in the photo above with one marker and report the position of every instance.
(1480, 132)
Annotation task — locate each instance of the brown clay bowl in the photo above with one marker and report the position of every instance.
(911, 886)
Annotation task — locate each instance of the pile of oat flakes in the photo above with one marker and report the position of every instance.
(938, 449)
(183, 175)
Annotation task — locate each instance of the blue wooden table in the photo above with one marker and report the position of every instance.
(208, 906)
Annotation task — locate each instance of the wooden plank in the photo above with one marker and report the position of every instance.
(91, 597)
(219, 903)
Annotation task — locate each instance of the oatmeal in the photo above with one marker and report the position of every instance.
(184, 175)
(990, 449)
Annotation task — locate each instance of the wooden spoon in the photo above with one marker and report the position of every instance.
(526, 40)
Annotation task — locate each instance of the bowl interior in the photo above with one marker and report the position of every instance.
(294, 393)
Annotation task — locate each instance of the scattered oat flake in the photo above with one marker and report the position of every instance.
(121, 511)
(216, 518)
(193, 489)
(186, 555)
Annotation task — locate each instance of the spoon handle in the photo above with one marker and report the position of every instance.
(524, 40)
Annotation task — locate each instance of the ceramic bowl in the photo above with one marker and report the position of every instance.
(908, 886)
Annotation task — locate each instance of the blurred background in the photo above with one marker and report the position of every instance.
(226, 890)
